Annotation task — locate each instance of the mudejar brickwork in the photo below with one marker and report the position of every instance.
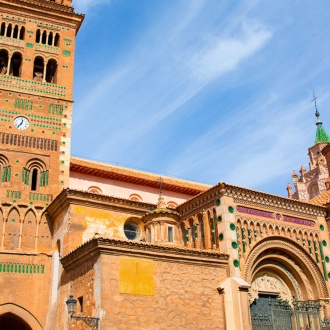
(135, 250)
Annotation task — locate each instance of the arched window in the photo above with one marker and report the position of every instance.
(172, 205)
(38, 68)
(38, 36)
(35, 174)
(34, 179)
(5, 169)
(9, 30)
(22, 33)
(50, 38)
(3, 61)
(57, 40)
(95, 190)
(135, 198)
(16, 65)
(15, 34)
(44, 37)
(51, 72)
(3, 29)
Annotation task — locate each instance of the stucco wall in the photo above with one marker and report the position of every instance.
(120, 189)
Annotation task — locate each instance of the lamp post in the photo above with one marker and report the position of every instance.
(93, 322)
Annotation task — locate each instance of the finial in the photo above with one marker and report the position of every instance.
(161, 183)
(161, 202)
(317, 114)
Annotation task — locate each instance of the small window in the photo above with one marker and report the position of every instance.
(34, 179)
(170, 233)
(81, 303)
(132, 231)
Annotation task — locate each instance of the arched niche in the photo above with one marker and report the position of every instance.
(29, 231)
(20, 318)
(44, 235)
(290, 263)
(12, 231)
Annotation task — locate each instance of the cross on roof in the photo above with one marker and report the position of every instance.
(314, 100)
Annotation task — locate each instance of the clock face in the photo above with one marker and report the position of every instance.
(21, 123)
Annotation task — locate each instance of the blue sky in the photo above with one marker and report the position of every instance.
(205, 90)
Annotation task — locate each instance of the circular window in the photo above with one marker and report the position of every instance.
(131, 230)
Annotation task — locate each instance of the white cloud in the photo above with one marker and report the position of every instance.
(224, 54)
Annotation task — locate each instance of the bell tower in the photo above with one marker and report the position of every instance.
(37, 49)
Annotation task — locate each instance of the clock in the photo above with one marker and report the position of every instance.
(21, 122)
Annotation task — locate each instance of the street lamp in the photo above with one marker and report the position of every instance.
(93, 322)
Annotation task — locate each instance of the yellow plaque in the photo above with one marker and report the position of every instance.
(136, 276)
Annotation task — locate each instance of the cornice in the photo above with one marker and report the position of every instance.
(45, 4)
(78, 197)
(247, 196)
(124, 174)
(105, 246)
(47, 9)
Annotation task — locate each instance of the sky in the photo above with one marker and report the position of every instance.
(204, 90)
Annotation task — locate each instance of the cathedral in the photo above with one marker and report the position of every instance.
(87, 245)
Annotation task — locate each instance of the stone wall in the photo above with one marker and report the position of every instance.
(185, 296)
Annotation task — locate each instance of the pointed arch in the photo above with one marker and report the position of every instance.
(12, 232)
(44, 243)
(29, 230)
(22, 313)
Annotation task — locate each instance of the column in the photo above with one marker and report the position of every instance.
(9, 64)
(162, 234)
(44, 74)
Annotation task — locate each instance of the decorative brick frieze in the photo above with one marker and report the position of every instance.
(7, 267)
(258, 213)
(32, 86)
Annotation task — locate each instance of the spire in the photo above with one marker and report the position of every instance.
(321, 134)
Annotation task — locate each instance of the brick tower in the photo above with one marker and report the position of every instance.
(37, 41)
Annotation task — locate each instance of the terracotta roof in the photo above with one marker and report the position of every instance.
(134, 176)
(322, 199)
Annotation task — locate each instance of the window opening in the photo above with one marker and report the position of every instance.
(3, 29)
(38, 35)
(131, 230)
(170, 233)
(15, 34)
(22, 33)
(44, 38)
(16, 64)
(3, 62)
(9, 31)
(81, 303)
(57, 39)
(38, 69)
(51, 71)
(34, 179)
(50, 38)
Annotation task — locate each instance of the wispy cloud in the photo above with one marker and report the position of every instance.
(174, 70)
(203, 89)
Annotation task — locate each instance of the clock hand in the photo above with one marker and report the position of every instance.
(20, 123)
